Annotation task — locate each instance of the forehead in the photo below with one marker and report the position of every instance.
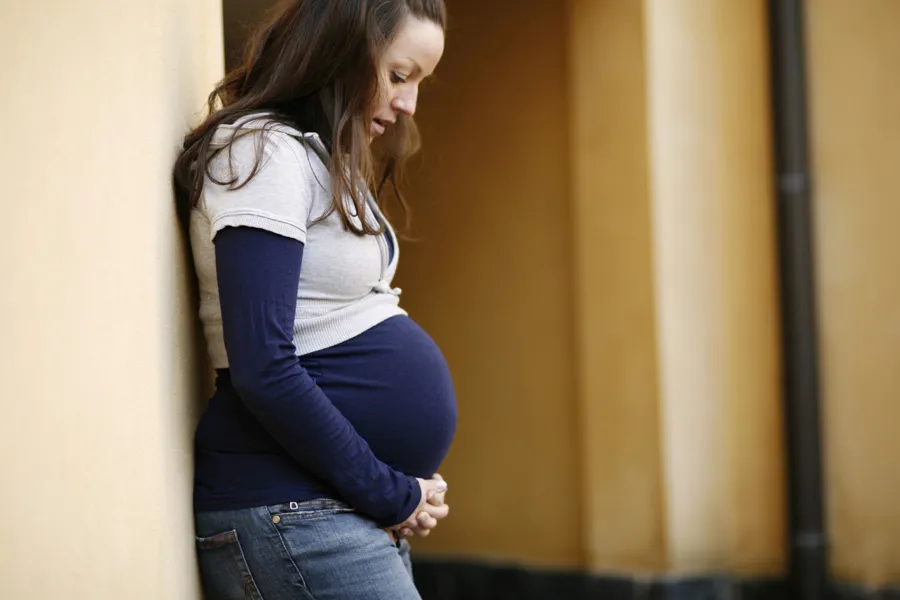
(417, 40)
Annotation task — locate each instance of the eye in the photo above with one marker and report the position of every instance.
(397, 78)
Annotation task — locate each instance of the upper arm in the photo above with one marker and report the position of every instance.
(258, 273)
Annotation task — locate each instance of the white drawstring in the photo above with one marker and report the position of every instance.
(383, 288)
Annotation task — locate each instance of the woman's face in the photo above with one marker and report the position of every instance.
(407, 61)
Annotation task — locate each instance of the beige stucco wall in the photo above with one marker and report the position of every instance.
(98, 355)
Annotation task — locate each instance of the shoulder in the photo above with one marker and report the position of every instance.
(264, 174)
(260, 136)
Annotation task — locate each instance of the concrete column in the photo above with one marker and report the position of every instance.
(618, 383)
(676, 280)
(715, 276)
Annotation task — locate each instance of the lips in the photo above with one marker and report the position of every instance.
(380, 125)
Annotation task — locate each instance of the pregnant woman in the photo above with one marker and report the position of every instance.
(333, 409)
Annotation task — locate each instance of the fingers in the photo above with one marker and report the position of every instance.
(406, 532)
(432, 508)
(435, 484)
(411, 531)
(425, 520)
(436, 494)
(435, 512)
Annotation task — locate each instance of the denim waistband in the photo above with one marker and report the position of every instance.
(309, 505)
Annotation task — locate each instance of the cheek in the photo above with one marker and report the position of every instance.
(386, 100)
(377, 104)
(385, 92)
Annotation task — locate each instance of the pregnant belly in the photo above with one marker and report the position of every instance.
(392, 383)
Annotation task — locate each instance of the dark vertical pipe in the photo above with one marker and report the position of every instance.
(808, 547)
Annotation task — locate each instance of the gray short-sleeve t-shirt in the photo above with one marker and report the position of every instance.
(345, 281)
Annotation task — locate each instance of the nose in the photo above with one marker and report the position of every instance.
(405, 101)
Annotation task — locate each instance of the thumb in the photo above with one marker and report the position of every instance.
(433, 487)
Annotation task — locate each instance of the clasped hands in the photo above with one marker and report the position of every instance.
(430, 510)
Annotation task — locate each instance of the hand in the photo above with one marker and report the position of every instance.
(425, 521)
(431, 508)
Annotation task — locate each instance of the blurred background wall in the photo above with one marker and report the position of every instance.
(617, 211)
(594, 252)
(665, 257)
(855, 109)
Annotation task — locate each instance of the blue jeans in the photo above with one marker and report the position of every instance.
(315, 550)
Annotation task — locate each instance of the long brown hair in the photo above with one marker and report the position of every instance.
(313, 65)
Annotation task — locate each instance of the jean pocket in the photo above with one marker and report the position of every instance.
(307, 511)
(223, 568)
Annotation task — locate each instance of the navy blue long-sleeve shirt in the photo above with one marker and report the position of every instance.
(358, 421)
